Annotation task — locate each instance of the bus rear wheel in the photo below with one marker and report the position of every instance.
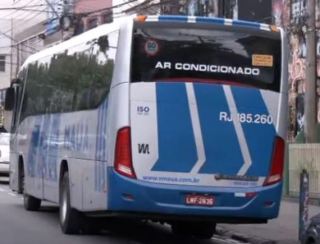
(200, 230)
(71, 220)
(30, 203)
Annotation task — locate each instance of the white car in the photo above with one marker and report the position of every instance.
(4, 153)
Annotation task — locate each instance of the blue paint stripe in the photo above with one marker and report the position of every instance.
(242, 23)
(101, 147)
(222, 149)
(259, 136)
(175, 18)
(220, 21)
(210, 20)
(33, 146)
(177, 149)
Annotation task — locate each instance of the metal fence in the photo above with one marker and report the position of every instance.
(304, 156)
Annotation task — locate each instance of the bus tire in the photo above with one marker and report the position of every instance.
(21, 182)
(200, 230)
(31, 203)
(71, 220)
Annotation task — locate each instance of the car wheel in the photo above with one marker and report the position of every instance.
(71, 221)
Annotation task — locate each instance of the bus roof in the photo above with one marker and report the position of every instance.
(106, 28)
(209, 20)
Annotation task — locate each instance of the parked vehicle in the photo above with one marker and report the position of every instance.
(4, 153)
(312, 234)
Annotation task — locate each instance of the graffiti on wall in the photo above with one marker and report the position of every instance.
(281, 12)
(297, 68)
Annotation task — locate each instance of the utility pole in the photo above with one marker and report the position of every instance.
(310, 83)
(11, 51)
(18, 58)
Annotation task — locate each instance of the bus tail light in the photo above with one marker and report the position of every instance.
(123, 156)
(277, 163)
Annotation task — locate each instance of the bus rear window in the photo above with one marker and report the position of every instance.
(224, 55)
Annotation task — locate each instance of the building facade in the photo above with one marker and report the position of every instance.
(5, 54)
(291, 15)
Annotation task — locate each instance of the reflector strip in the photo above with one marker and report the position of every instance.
(219, 21)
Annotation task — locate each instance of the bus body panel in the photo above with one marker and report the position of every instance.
(189, 134)
(78, 138)
(167, 201)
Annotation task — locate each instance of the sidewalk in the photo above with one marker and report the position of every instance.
(283, 230)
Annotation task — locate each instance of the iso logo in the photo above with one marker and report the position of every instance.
(143, 110)
(151, 47)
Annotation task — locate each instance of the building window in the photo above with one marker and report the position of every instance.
(2, 63)
(92, 23)
(107, 17)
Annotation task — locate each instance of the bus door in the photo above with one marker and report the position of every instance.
(204, 104)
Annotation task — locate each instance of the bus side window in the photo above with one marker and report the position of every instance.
(18, 90)
(74, 79)
(96, 77)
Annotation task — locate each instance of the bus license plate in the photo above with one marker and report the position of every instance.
(199, 200)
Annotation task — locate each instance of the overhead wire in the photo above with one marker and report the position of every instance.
(14, 11)
(26, 16)
(34, 10)
(26, 7)
(155, 4)
(24, 21)
(109, 8)
(142, 5)
(12, 39)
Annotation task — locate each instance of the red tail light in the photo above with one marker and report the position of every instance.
(123, 157)
(275, 174)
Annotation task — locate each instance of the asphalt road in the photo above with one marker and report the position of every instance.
(18, 226)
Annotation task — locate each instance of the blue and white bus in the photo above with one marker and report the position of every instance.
(169, 118)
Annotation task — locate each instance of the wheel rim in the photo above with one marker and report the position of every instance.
(64, 206)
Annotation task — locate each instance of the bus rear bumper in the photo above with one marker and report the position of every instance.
(161, 201)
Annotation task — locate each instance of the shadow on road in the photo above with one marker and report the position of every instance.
(145, 232)
(124, 230)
